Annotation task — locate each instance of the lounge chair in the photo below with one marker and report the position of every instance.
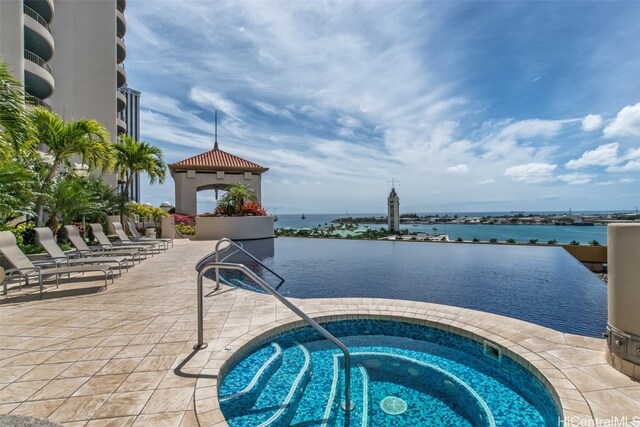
(104, 241)
(90, 251)
(124, 239)
(25, 268)
(44, 238)
(135, 236)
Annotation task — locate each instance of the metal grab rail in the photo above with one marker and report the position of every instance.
(206, 266)
(241, 249)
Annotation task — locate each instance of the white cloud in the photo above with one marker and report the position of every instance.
(206, 98)
(604, 155)
(627, 180)
(576, 178)
(632, 154)
(486, 181)
(531, 173)
(626, 123)
(630, 166)
(592, 122)
(458, 169)
(265, 107)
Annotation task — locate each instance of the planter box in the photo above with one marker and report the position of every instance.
(234, 227)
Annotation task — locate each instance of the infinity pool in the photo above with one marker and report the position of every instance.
(402, 374)
(542, 285)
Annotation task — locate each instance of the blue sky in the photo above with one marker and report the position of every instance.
(471, 106)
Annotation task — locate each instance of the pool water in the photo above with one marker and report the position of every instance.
(541, 285)
(401, 375)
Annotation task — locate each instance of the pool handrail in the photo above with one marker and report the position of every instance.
(203, 266)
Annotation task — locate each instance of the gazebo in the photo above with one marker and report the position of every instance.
(212, 170)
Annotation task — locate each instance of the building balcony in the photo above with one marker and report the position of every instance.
(43, 8)
(32, 100)
(38, 80)
(37, 34)
(121, 50)
(122, 125)
(122, 101)
(121, 5)
(121, 76)
(121, 24)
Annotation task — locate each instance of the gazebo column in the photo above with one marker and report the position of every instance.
(186, 192)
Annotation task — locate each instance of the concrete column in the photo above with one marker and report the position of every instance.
(623, 343)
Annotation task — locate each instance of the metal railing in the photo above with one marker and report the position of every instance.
(206, 264)
(37, 101)
(35, 15)
(35, 58)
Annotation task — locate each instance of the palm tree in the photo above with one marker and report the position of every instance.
(14, 123)
(134, 157)
(85, 138)
(233, 200)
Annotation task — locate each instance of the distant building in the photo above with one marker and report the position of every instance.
(393, 207)
(131, 117)
(69, 55)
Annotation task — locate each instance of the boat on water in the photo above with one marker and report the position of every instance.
(303, 217)
(275, 218)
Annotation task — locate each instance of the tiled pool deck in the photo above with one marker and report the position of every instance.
(123, 356)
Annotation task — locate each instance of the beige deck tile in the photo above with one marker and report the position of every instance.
(171, 380)
(168, 348)
(78, 408)
(112, 422)
(169, 400)
(31, 358)
(120, 366)
(122, 404)
(83, 368)
(153, 338)
(156, 363)
(39, 408)
(140, 350)
(142, 381)
(5, 408)
(46, 372)
(609, 403)
(60, 388)
(189, 419)
(169, 419)
(12, 373)
(102, 353)
(101, 384)
(21, 391)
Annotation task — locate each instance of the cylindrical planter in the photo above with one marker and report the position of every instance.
(623, 344)
(234, 227)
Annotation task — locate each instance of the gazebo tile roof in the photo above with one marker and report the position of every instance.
(217, 159)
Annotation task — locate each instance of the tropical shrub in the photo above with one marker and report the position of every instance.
(493, 240)
(186, 229)
(594, 243)
(574, 242)
(253, 209)
(475, 239)
(239, 200)
(552, 242)
(459, 239)
(533, 241)
(183, 219)
(511, 240)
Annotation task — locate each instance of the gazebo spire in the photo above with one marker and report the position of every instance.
(215, 144)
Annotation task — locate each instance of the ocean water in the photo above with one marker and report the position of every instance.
(521, 233)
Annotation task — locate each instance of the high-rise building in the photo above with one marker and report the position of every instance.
(393, 207)
(131, 117)
(69, 54)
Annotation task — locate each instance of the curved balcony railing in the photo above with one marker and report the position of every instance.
(121, 5)
(35, 58)
(35, 15)
(37, 101)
